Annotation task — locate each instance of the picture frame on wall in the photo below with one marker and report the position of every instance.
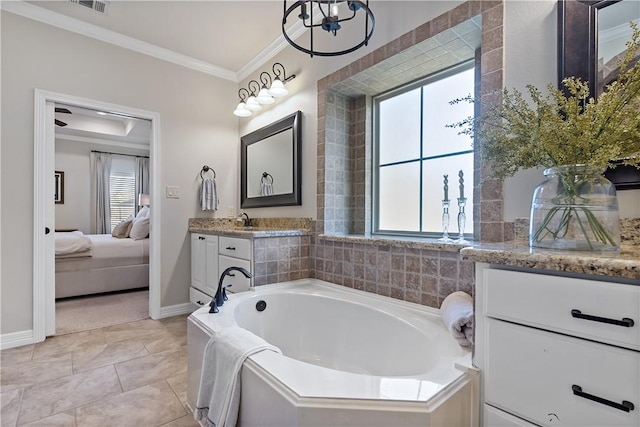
(59, 191)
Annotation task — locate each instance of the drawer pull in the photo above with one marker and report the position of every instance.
(231, 274)
(199, 303)
(626, 322)
(625, 406)
(230, 248)
(200, 238)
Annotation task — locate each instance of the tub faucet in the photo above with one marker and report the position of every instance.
(246, 221)
(221, 295)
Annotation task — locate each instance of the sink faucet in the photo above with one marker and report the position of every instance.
(221, 295)
(246, 220)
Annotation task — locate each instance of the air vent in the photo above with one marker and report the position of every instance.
(98, 6)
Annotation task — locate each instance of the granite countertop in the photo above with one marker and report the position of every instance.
(407, 242)
(624, 263)
(249, 232)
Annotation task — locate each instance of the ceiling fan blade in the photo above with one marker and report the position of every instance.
(60, 123)
(62, 110)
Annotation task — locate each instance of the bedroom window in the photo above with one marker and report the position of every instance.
(414, 150)
(122, 191)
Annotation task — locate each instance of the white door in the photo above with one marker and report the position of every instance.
(50, 221)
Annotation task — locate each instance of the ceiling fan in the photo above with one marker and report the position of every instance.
(63, 111)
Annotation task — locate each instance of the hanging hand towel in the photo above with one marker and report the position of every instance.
(218, 401)
(209, 195)
(457, 314)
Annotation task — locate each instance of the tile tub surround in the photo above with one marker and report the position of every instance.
(422, 271)
(123, 375)
(623, 264)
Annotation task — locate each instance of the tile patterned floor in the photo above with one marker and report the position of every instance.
(129, 375)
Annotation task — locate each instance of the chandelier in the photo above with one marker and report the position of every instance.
(328, 15)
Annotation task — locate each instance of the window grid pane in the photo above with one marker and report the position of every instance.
(441, 151)
(122, 189)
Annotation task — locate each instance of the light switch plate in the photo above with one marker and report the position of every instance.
(231, 212)
(173, 192)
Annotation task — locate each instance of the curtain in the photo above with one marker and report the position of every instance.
(100, 199)
(142, 177)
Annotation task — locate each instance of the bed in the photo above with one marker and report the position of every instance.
(95, 263)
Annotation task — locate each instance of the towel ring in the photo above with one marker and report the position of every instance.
(205, 169)
(265, 177)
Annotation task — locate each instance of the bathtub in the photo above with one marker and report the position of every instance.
(348, 358)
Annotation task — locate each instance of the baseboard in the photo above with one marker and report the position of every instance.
(176, 310)
(16, 339)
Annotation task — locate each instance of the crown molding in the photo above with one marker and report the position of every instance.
(275, 47)
(89, 30)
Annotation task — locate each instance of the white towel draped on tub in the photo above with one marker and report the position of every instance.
(219, 394)
(457, 314)
(209, 195)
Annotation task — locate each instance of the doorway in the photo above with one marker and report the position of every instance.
(44, 214)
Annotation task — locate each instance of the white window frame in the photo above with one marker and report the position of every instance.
(375, 188)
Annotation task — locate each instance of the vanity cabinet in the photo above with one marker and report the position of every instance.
(204, 268)
(210, 256)
(235, 252)
(557, 350)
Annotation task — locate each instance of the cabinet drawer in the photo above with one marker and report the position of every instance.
(494, 417)
(235, 247)
(533, 373)
(548, 302)
(199, 298)
(238, 281)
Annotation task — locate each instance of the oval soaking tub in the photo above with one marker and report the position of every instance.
(349, 358)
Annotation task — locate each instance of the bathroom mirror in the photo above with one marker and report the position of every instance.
(591, 36)
(270, 165)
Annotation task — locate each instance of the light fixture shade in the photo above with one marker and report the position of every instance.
(241, 110)
(277, 89)
(252, 104)
(264, 97)
(144, 199)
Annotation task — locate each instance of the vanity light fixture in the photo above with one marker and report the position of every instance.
(271, 88)
(242, 110)
(332, 14)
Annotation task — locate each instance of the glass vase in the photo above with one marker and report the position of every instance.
(576, 208)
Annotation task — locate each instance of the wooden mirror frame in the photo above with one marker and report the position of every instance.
(577, 56)
(293, 122)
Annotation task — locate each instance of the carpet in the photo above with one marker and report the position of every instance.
(93, 312)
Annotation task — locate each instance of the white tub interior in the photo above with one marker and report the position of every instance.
(343, 350)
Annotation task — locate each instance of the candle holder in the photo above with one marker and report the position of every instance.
(445, 222)
(462, 219)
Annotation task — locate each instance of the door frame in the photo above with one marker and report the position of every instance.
(43, 301)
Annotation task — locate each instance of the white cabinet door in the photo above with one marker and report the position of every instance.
(204, 263)
(552, 379)
(238, 282)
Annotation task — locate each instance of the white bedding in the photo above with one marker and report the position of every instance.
(108, 251)
(70, 243)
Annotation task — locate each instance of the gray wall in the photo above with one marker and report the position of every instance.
(197, 127)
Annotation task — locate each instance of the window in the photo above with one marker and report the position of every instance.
(414, 150)
(122, 189)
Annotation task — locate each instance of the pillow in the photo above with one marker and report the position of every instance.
(139, 229)
(121, 231)
(144, 212)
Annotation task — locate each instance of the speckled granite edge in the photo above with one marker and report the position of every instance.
(258, 223)
(262, 227)
(624, 264)
(412, 243)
